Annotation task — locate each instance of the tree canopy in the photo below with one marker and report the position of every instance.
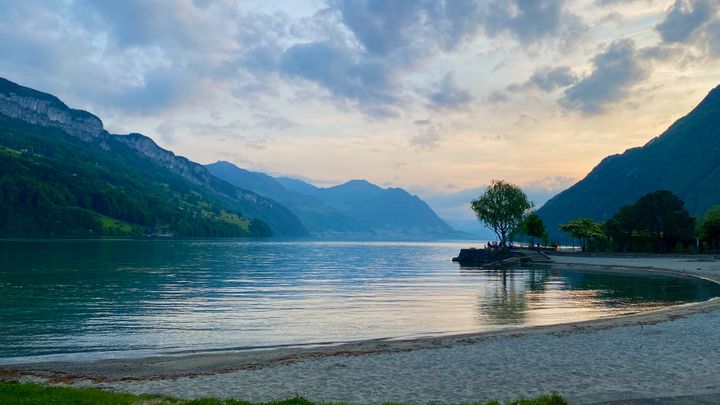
(584, 230)
(663, 215)
(502, 207)
(710, 227)
(534, 225)
(655, 222)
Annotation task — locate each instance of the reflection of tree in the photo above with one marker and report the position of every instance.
(512, 292)
(512, 295)
(615, 289)
(505, 303)
(538, 277)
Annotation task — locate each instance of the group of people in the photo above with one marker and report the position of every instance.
(494, 245)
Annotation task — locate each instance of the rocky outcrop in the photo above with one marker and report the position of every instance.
(179, 165)
(47, 111)
(41, 109)
(490, 258)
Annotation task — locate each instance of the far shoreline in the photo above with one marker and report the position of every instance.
(226, 361)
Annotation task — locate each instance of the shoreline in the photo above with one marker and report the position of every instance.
(173, 367)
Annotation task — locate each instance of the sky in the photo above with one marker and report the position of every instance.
(438, 97)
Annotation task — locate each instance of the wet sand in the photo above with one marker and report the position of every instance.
(670, 352)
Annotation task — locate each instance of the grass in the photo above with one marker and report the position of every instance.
(8, 151)
(234, 219)
(112, 226)
(27, 394)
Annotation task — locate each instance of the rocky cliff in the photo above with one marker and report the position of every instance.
(184, 167)
(43, 109)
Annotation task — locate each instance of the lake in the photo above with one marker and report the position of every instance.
(85, 300)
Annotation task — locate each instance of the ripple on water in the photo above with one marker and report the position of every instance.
(95, 299)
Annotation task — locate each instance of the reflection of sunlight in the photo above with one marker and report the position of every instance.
(198, 295)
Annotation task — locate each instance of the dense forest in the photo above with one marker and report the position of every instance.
(54, 185)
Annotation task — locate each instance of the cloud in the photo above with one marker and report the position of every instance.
(133, 57)
(615, 70)
(273, 122)
(429, 135)
(615, 2)
(662, 52)
(532, 21)
(408, 29)
(346, 75)
(144, 56)
(685, 18)
(524, 120)
(235, 133)
(378, 42)
(713, 39)
(138, 23)
(497, 97)
(447, 95)
(541, 190)
(547, 79)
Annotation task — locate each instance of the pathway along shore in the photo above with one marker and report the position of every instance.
(671, 356)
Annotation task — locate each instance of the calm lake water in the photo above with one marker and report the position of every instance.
(101, 299)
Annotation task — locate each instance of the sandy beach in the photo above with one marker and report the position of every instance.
(671, 355)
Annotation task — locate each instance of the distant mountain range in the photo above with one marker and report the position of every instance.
(356, 209)
(685, 159)
(63, 175)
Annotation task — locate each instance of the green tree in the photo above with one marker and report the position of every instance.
(710, 227)
(584, 230)
(534, 227)
(621, 226)
(501, 207)
(663, 215)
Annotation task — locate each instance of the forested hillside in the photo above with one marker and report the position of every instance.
(53, 184)
(685, 160)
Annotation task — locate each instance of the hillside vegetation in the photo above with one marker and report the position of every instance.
(53, 184)
(684, 160)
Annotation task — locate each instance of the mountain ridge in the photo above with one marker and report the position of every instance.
(319, 218)
(44, 111)
(684, 159)
(374, 212)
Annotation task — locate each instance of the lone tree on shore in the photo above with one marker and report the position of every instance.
(502, 207)
(534, 227)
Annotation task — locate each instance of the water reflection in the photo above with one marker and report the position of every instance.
(105, 298)
(545, 295)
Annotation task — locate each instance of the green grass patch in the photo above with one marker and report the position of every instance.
(8, 151)
(231, 218)
(26, 394)
(112, 226)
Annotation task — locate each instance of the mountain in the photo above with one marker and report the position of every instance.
(685, 159)
(391, 213)
(319, 218)
(63, 174)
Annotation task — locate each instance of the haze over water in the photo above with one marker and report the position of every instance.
(98, 299)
